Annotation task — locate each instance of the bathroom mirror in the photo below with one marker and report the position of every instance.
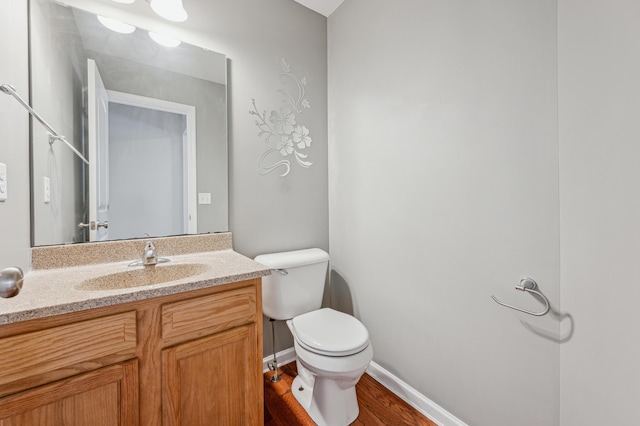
(151, 120)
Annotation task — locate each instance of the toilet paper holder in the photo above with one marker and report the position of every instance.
(528, 285)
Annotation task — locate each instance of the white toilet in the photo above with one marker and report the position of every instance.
(332, 348)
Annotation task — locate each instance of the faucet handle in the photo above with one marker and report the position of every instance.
(149, 256)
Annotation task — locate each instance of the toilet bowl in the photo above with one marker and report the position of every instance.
(332, 348)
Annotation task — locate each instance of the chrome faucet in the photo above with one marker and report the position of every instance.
(149, 256)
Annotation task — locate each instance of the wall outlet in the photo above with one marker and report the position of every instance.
(47, 190)
(204, 198)
(3, 182)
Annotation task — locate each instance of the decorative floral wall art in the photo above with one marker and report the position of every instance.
(282, 130)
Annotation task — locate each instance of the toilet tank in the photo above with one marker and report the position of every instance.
(296, 283)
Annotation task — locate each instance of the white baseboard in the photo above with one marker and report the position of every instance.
(405, 392)
(284, 357)
(412, 397)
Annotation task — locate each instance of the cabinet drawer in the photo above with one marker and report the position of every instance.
(67, 347)
(208, 314)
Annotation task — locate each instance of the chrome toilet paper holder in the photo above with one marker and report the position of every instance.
(529, 285)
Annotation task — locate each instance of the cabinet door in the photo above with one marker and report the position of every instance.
(214, 380)
(108, 396)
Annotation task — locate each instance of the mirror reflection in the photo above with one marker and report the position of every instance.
(151, 119)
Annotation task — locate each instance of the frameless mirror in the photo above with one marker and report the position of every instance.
(151, 120)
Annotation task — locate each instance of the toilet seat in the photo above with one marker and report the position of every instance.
(330, 333)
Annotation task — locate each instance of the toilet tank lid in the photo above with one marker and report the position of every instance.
(291, 259)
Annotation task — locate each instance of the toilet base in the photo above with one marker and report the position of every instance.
(326, 385)
(326, 402)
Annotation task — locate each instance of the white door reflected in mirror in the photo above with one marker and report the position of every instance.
(98, 153)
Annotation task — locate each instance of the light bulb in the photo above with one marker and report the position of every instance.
(115, 25)
(171, 10)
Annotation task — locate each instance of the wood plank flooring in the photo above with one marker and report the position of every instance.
(378, 405)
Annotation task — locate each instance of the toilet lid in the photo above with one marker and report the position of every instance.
(329, 332)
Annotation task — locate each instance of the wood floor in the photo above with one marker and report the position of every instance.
(378, 405)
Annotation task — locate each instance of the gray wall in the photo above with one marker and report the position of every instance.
(443, 182)
(14, 138)
(58, 71)
(599, 106)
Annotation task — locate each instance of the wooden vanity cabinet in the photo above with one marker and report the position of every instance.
(193, 358)
(106, 396)
(206, 381)
(210, 341)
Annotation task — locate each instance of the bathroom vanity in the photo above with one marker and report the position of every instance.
(181, 352)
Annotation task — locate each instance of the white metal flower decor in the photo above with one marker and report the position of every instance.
(282, 131)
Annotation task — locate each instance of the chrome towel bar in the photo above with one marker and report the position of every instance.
(528, 285)
(53, 135)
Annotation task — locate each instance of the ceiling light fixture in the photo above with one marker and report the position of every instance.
(115, 25)
(164, 40)
(171, 10)
(124, 1)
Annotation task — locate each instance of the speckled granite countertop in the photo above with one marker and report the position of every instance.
(48, 292)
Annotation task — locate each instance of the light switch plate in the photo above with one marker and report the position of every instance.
(204, 198)
(47, 190)
(3, 182)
